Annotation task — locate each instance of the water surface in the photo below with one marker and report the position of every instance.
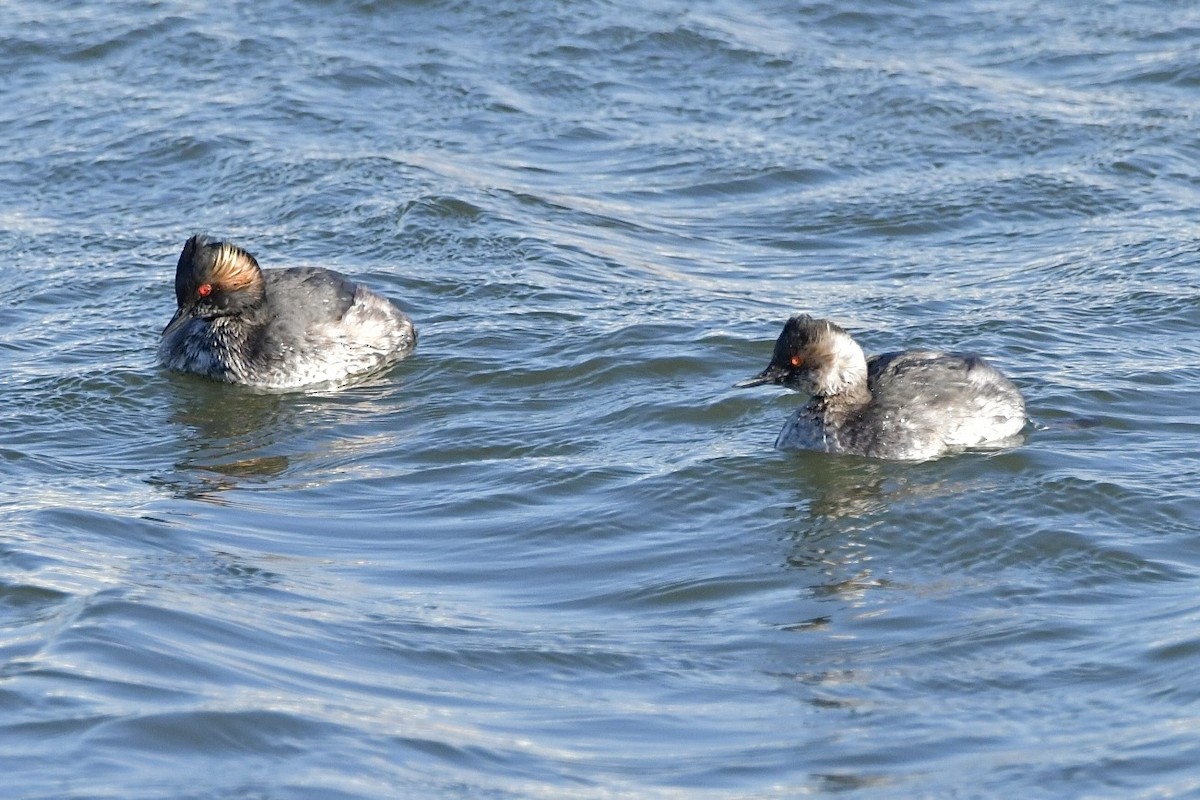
(553, 553)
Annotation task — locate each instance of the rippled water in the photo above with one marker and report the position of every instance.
(553, 553)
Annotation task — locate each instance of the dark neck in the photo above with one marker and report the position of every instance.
(245, 331)
(849, 401)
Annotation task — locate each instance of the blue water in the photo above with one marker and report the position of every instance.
(553, 553)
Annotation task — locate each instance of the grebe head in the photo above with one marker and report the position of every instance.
(214, 279)
(813, 356)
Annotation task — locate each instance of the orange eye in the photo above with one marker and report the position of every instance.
(797, 360)
(204, 289)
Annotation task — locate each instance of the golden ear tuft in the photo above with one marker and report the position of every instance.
(233, 268)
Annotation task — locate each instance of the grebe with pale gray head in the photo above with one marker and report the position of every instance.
(910, 405)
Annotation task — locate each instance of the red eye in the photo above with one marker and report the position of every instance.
(797, 360)
(204, 289)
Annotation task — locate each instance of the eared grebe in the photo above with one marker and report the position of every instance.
(276, 328)
(912, 405)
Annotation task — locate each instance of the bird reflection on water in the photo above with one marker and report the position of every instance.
(850, 502)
